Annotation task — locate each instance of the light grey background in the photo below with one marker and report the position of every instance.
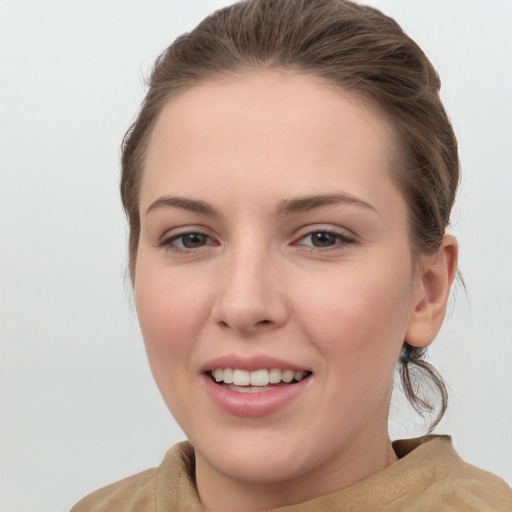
(78, 405)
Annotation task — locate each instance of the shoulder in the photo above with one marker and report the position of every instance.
(451, 483)
(146, 491)
(137, 492)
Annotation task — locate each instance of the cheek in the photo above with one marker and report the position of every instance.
(357, 325)
(170, 315)
(358, 318)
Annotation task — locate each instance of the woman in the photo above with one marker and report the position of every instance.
(288, 183)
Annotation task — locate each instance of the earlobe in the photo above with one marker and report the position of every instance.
(437, 274)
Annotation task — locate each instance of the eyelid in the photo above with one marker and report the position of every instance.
(345, 236)
(167, 239)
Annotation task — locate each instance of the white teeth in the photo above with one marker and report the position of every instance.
(275, 376)
(287, 376)
(241, 378)
(259, 378)
(227, 375)
(298, 376)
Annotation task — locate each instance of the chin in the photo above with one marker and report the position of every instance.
(259, 456)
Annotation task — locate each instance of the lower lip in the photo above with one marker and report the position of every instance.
(254, 405)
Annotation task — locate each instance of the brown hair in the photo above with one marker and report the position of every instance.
(352, 46)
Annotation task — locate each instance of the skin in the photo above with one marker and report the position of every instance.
(256, 284)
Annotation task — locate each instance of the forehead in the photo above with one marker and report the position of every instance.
(272, 125)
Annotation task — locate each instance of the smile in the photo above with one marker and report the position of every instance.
(244, 381)
(254, 392)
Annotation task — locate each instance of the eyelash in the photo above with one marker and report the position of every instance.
(342, 239)
(168, 243)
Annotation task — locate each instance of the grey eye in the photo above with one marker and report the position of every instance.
(192, 240)
(324, 239)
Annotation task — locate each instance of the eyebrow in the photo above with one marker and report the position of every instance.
(285, 207)
(307, 203)
(191, 205)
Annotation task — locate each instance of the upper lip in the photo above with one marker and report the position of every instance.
(250, 363)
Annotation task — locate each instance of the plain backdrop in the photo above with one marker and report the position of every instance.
(79, 408)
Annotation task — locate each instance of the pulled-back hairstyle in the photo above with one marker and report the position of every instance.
(349, 45)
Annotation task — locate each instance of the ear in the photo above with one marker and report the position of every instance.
(436, 273)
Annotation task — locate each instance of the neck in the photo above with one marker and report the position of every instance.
(219, 492)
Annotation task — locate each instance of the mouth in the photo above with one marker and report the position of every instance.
(257, 381)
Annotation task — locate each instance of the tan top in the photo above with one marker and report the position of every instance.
(429, 476)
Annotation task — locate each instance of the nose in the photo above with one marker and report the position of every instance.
(251, 296)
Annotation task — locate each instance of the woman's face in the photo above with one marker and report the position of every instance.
(273, 237)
